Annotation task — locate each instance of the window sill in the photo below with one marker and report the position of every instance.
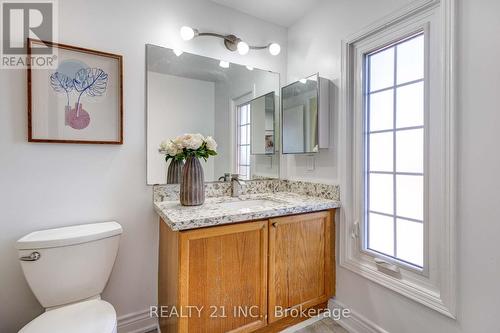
(422, 291)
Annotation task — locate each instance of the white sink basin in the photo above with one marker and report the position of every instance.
(249, 204)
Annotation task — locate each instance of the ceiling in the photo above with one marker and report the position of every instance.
(281, 12)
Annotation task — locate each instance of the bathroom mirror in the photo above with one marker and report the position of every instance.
(237, 105)
(300, 116)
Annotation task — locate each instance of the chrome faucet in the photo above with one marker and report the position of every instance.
(226, 177)
(236, 186)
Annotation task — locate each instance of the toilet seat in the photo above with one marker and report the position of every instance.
(92, 316)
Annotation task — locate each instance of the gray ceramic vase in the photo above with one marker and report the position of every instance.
(174, 172)
(192, 191)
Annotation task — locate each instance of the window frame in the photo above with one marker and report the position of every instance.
(422, 30)
(436, 286)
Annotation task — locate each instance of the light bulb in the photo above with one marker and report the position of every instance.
(224, 64)
(274, 49)
(304, 81)
(178, 52)
(250, 68)
(187, 33)
(243, 48)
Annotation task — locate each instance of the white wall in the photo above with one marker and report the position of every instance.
(50, 185)
(314, 45)
(177, 105)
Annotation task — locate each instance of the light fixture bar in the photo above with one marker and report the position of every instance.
(230, 41)
(212, 34)
(258, 47)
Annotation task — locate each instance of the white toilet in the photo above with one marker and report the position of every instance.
(67, 269)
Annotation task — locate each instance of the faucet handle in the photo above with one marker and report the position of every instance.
(226, 177)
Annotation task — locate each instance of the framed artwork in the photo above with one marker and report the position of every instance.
(80, 100)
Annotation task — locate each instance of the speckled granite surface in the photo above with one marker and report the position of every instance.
(325, 191)
(171, 192)
(218, 210)
(332, 192)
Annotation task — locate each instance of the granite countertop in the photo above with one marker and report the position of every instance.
(215, 210)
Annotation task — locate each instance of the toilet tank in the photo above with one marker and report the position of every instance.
(69, 264)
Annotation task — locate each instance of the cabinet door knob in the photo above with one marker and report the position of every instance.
(274, 224)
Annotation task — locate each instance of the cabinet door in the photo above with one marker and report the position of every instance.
(223, 274)
(300, 262)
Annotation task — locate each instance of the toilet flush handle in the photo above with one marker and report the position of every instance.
(34, 256)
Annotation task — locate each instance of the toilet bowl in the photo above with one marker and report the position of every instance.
(91, 316)
(67, 269)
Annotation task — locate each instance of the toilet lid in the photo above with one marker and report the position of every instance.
(94, 316)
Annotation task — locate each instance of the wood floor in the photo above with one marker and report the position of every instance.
(326, 325)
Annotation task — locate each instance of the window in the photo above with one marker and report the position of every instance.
(394, 151)
(397, 154)
(243, 140)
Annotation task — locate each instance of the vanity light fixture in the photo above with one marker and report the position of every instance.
(243, 48)
(224, 64)
(232, 42)
(188, 33)
(274, 48)
(178, 52)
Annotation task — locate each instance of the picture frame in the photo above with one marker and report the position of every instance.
(78, 101)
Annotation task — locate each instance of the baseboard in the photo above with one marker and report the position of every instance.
(355, 323)
(302, 324)
(137, 322)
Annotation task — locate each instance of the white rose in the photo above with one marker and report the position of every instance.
(178, 142)
(163, 146)
(172, 149)
(211, 144)
(200, 137)
(192, 141)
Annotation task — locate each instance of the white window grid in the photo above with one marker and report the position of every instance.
(394, 173)
(243, 140)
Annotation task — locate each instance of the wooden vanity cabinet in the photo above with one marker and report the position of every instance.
(223, 278)
(216, 276)
(301, 263)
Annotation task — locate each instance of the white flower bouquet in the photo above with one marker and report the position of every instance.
(189, 145)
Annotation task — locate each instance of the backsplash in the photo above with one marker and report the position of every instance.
(326, 191)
